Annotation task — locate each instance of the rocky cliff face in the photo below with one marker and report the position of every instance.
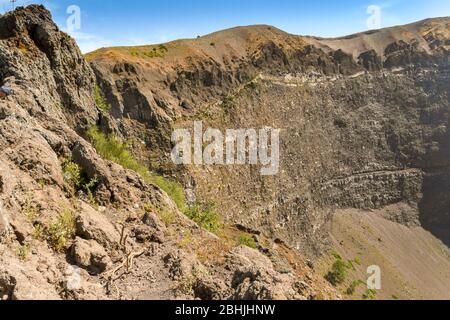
(364, 123)
(76, 226)
(43, 61)
(364, 128)
(364, 119)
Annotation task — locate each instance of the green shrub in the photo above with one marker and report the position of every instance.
(167, 216)
(23, 251)
(114, 149)
(205, 215)
(134, 52)
(75, 180)
(163, 48)
(247, 240)
(370, 294)
(100, 100)
(172, 188)
(336, 255)
(62, 231)
(30, 209)
(38, 232)
(338, 272)
(89, 187)
(72, 175)
(188, 239)
(352, 288)
(147, 52)
(153, 54)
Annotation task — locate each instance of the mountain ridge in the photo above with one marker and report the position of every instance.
(264, 27)
(260, 30)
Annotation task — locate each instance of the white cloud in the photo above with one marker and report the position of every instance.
(6, 5)
(90, 42)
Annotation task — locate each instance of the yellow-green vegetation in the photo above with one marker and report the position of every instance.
(318, 297)
(247, 240)
(339, 270)
(23, 48)
(357, 261)
(205, 215)
(72, 175)
(62, 231)
(89, 188)
(370, 294)
(167, 216)
(114, 149)
(30, 210)
(42, 183)
(100, 100)
(38, 232)
(75, 181)
(353, 286)
(187, 240)
(172, 188)
(23, 251)
(148, 52)
(338, 273)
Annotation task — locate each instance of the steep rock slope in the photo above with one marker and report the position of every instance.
(352, 108)
(413, 263)
(76, 226)
(364, 122)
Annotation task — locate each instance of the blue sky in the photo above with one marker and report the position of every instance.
(113, 22)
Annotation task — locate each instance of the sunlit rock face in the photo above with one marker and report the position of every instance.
(363, 119)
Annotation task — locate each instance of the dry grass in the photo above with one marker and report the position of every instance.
(62, 231)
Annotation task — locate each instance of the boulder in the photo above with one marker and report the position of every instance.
(144, 233)
(90, 255)
(182, 265)
(151, 220)
(92, 225)
(211, 289)
(254, 277)
(78, 285)
(23, 283)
